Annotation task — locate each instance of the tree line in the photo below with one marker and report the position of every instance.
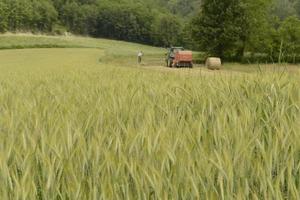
(232, 29)
(148, 22)
(247, 30)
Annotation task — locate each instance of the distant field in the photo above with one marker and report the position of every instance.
(11, 41)
(86, 122)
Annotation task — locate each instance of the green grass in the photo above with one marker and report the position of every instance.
(11, 41)
(117, 52)
(261, 67)
(78, 124)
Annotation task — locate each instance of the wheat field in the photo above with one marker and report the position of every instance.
(75, 124)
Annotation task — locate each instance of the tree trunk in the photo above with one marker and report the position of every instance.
(240, 53)
(241, 50)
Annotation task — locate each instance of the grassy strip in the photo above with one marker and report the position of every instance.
(40, 46)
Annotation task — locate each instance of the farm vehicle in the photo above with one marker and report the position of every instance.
(178, 57)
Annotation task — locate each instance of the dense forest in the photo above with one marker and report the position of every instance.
(231, 29)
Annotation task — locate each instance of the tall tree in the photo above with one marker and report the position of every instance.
(255, 24)
(3, 17)
(217, 27)
(224, 27)
(290, 39)
(297, 7)
(167, 31)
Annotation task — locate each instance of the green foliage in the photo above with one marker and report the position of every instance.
(290, 39)
(3, 17)
(297, 7)
(230, 29)
(168, 31)
(27, 15)
(45, 15)
(280, 44)
(123, 20)
(218, 27)
(284, 8)
(183, 7)
(132, 23)
(226, 28)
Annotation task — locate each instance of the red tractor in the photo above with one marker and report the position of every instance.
(178, 57)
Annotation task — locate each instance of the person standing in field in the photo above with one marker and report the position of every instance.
(140, 55)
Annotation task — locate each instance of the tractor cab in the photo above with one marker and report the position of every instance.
(172, 51)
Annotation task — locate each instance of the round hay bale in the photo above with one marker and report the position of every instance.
(213, 63)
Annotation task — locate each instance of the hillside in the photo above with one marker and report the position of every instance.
(141, 21)
(25, 41)
(256, 27)
(115, 52)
